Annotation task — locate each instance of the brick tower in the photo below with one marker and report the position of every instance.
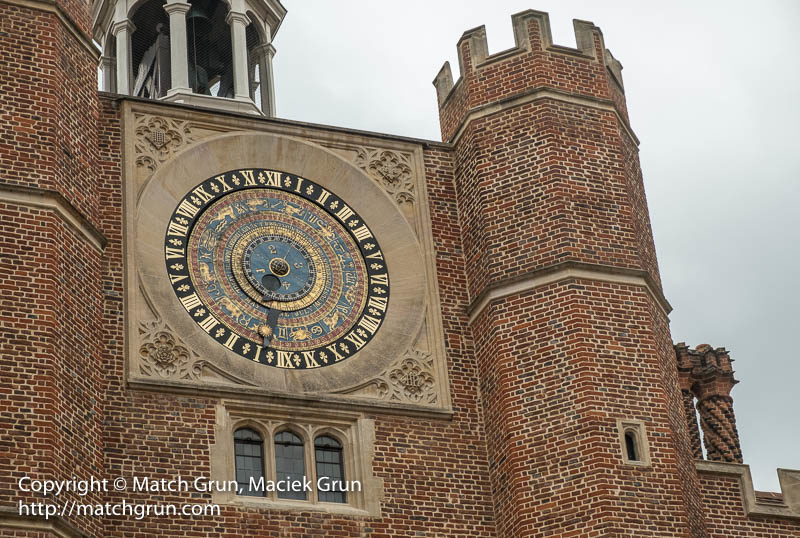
(516, 379)
(570, 325)
(51, 250)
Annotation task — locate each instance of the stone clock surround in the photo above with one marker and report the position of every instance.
(172, 180)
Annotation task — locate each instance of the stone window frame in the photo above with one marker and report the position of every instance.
(353, 430)
(639, 431)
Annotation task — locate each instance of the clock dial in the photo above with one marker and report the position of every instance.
(277, 269)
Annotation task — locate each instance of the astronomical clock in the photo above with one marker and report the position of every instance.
(276, 268)
(263, 264)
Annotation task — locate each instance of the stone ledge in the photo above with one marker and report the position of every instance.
(753, 505)
(536, 94)
(253, 122)
(53, 201)
(310, 401)
(563, 271)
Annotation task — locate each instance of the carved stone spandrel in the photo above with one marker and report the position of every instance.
(159, 138)
(411, 379)
(391, 170)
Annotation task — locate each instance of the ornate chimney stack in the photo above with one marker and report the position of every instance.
(713, 383)
(707, 374)
(685, 381)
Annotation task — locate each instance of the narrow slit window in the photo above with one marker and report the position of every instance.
(249, 453)
(330, 470)
(630, 446)
(290, 465)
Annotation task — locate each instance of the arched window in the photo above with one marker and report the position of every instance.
(330, 469)
(249, 452)
(290, 464)
(631, 448)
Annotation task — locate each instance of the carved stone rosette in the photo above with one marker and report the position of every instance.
(412, 379)
(390, 169)
(161, 354)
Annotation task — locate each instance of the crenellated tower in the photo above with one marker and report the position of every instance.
(51, 250)
(584, 416)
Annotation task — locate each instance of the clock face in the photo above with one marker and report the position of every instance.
(277, 269)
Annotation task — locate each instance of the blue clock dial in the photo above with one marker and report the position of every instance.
(277, 269)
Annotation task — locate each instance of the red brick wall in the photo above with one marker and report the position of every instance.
(52, 405)
(540, 184)
(48, 83)
(558, 366)
(722, 501)
(50, 353)
(537, 381)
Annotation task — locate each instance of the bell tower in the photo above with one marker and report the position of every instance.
(208, 53)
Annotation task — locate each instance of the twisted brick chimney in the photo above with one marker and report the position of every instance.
(706, 374)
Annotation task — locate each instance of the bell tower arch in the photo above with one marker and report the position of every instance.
(209, 53)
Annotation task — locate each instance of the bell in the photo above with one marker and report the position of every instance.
(197, 13)
(198, 23)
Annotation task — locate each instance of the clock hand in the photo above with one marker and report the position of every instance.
(272, 283)
(268, 330)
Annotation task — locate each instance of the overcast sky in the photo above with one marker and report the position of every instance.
(712, 89)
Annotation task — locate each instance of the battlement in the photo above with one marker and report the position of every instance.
(588, 73)
(531, 34)
(784, 506)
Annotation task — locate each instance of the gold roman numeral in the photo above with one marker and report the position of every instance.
(362, 232)
(187, 209)
(332, 349)
(209, 323)
(308, 356)
(379, 303)
(249, 180)
(285, 359)
(231, 341)
(202, 194)
(177, 278)
(355, 340)
(191, 301)
(379, 279)
(344, 213)
(370, 324)
(178, 229)
(273, 178)
(221, 179)
(323, 196)
(174, 253)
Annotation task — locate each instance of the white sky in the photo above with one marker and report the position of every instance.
(712, 91)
